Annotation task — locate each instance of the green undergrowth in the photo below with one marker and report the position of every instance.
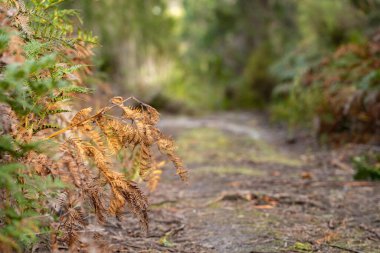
(367, 167)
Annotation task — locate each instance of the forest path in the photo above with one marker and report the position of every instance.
(250, 191)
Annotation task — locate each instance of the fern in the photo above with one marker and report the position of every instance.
(45, 61)
(75, 89)
(36, 63)
(121, 134)
(34, 49)
(43, 127)
(4, 39)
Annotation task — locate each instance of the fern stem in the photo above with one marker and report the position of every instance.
(59, 132)
(103, 110)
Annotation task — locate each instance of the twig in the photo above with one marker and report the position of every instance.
(174, 231)
(376, 234)
(343, 248)
(254, 251)
(341, 165)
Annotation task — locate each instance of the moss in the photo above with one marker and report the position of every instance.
(202, 145)
(302, 247)
(277, 159)
(214, 205)
(198, 145)
(229, 170)
(268, 154)
(164, 204)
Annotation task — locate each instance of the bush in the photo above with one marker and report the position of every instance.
(46, 185)
(367, 167)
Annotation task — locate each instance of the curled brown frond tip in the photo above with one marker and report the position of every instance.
(117, 100)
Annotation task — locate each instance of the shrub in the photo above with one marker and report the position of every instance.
(47, 179)
(367, 166)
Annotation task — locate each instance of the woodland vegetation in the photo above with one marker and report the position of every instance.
(81, 142)
(44, 60)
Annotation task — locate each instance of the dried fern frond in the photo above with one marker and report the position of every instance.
(117, 100)
(72, 159)
(136, 130)
(81, 176)
(131, 136)
(155, 175)
(146, 114)
(94, 136)
(93, 192)
(166, 146)
(125, 192)
(43, 127)
(113, 131)
(132, 113)
(144, 161)
(72, 219)
(41, 163)
(80, 117)
(154, 115)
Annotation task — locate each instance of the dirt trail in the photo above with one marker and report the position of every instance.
(249, 191)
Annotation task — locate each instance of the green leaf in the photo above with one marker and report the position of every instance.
(4, 39)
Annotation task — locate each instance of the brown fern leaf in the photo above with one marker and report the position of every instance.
(131, 136)
(76, 144)
(146, 114)
(118, 134)
(72, 159)
(117, 100)
(100, 160)
(41, 163)
(145, 131)
(81, 176)
(113, 130)
(127, 192)
(93, 192)
(145, 161)
(124, 191)
(94, 136)
(85, 127)
(132, 113)
(135, 129)
(155, 175)
(81, 116)
(73, 219)
(166, 146)
(144, 119)
(144, 122)
(154, 115)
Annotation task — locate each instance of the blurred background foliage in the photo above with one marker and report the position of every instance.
(310, 63)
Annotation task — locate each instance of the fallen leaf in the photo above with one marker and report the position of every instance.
(327, 238)
(357, 184)
(264, 207)
(306, 175)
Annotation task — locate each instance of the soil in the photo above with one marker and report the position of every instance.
(253, 189)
